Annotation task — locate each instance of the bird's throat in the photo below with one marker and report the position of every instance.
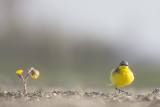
(123, 67)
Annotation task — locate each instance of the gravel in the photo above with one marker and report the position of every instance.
(78, 99)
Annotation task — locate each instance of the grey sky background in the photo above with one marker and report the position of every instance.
(77, 39)
(131, 27)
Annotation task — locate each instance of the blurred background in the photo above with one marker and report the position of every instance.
(76, 43)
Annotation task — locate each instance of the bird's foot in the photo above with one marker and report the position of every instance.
(122, 91)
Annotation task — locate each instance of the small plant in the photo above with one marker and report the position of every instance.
(34, 74)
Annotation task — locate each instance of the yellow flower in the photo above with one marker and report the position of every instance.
(19, 72)
(35, 74)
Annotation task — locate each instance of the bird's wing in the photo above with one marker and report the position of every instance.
(112, 73)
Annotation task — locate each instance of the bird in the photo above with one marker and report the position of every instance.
(121, 76)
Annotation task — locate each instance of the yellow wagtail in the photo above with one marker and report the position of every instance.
(121, 76)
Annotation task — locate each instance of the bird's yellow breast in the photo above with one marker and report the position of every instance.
(122, 77)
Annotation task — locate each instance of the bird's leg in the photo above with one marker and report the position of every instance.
(122, 89)
(117, 89)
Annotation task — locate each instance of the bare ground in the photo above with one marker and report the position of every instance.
(78, 99)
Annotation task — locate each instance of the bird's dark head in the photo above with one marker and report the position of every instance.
(123, 63)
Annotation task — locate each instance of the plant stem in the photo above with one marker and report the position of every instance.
(25, 89)
(25, 82)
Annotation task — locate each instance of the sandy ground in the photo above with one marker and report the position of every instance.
(78, 99)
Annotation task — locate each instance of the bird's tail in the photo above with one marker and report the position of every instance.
(109, 84)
